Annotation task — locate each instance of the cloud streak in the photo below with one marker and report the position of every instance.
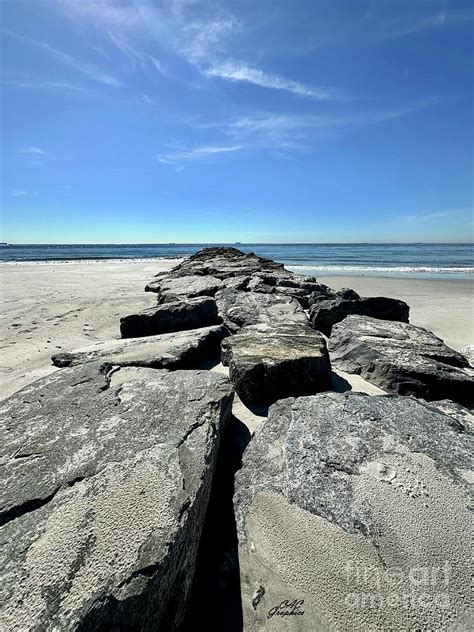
(235, 72)
(40, 84)
(198, 153)
(34, 151)
(201, 39)
(405, 27)
(89, 70)
(303, 132)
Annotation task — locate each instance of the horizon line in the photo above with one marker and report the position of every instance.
(245, 243)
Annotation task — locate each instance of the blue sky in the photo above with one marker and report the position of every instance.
(127, 121)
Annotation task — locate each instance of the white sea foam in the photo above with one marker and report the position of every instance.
(333, 269)
(171, 260)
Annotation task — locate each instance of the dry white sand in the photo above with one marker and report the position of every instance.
(444, 307)
(52, 307)
(48, 307)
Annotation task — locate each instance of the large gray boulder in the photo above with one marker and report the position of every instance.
(174, 316)
(223, 262)
(180, 350)
(302, 288)
(269, 362)
(352, 514)
(401, 358)
(170, 288)
(324, 314)
(105, 492)
(239, 309)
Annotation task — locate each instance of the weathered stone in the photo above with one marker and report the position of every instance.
(169, 317)
(236, 283)
(324, 314)
(256, 284)
(401, 358)
(104, 498)
(238, 309)
(170, 288)
(227, 262)
(357, 508)
(269, 362)
(468, 353)
(180, 350)
(302, 288)
(460, 417)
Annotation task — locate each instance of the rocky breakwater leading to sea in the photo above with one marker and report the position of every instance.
(113, 502)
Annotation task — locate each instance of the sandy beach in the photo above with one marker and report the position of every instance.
(63, 306)
(444, 307)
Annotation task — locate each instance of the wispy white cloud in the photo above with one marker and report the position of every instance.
(197, 153)
(137, 57)
(145, 98)
(34, 151)
(202, 38)
(89, 70)
(403, 27)
(41, 84)
(19, 193)
(303, 132)
(235, 72)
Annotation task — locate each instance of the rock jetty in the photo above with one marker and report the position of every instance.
(118, 468)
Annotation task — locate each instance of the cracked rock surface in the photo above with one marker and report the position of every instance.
(401, 358)
(268, 362)
(347, 501)
(239, 309)
(104, 497)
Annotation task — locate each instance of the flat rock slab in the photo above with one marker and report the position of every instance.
(169, 317)
(401, 358)
(104, 498)
(239, 309)
(179, 350)
(268, 362)
(171, 288)
(324, 314)
(352, 514)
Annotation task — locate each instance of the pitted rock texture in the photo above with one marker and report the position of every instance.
(105, 495)
(301, 288)
(171, 288)
(270, 362)
(169, 317)
(239, 309)
(468, 353)
(324, 314)
(351, 504)
(401, 358)
(179, 350)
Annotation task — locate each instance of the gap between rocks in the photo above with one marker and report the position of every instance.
(215, 598)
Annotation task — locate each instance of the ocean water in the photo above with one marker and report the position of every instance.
(449, 261)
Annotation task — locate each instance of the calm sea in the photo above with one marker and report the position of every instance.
(453, 261)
